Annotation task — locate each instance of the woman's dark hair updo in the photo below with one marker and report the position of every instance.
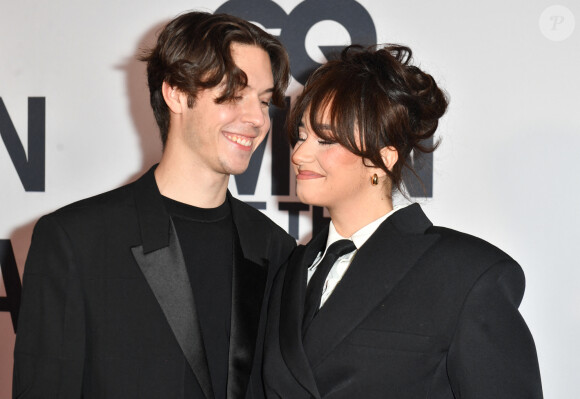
(377, 93)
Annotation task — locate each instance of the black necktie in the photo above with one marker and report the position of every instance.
(316, 284)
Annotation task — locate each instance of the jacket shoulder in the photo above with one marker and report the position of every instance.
(464, 258)
(466, 245)
(257, 219)
(116, 206)
(263, 236)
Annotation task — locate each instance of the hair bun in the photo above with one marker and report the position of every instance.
(375, 97)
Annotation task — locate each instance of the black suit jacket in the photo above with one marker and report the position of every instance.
(107, 308)
(422, 312)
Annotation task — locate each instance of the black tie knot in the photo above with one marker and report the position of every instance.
(316, 284)
(339, 248)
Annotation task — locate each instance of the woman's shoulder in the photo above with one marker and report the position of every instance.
(460, 242)
(466, 254)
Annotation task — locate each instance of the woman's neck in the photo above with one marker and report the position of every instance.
(349, 219)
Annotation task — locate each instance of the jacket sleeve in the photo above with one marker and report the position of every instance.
(493, 353)
(50, 341)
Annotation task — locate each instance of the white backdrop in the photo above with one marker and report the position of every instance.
(507, 169)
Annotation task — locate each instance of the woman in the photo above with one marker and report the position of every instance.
(405, 309)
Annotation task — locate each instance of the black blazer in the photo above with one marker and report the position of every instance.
(107, 308)
(422, 312)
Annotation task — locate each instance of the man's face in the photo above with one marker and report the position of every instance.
(220, 138)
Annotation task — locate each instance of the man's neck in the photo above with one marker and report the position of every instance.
(190, 184)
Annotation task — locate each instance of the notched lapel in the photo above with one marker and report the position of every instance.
(292, 311)
(166, 273)
(377, 268)
(248, 285)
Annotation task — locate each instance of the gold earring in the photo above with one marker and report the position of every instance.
(374, 180)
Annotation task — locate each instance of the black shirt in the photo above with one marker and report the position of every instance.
(206, 240)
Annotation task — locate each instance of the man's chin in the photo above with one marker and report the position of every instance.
(237, 170)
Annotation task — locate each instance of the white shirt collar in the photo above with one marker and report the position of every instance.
(343, 263)
(360, 236)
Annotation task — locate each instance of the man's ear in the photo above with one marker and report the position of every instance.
(173, 98)
(390, 156)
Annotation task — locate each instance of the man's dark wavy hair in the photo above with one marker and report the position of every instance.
(193, 53)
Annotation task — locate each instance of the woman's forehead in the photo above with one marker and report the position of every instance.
(322, 113)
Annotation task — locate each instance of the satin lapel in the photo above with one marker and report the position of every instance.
(376, 269)
(292, 311)
(248, 284)
(165, 271)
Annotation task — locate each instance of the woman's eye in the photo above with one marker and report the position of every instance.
(326, 142)
(301, 135)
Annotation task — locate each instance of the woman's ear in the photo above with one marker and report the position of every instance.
(390, 156)
(172, 97)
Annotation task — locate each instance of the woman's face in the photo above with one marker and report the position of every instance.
(327, 174)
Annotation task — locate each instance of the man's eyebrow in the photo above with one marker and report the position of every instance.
(267, 91)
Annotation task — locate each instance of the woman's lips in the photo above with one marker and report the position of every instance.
(307, 175)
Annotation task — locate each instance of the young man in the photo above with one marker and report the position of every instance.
(155, 289)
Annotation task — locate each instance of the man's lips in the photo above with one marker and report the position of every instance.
(243, 141)
(307, 175)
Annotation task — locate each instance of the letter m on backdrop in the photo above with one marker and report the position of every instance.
(30, 168)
